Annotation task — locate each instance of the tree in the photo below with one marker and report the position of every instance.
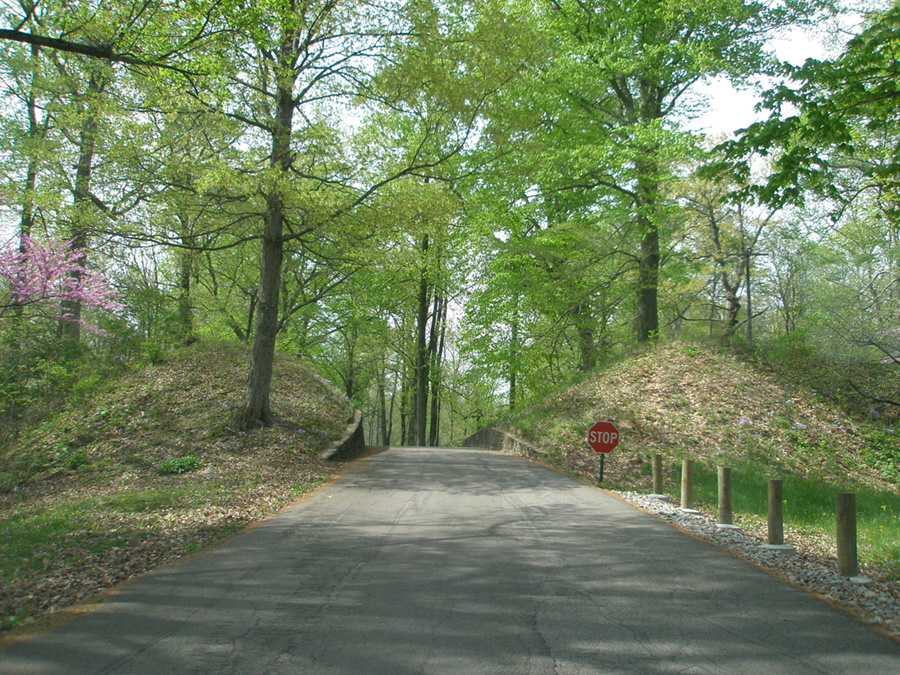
(621, 74)
(43, 279)
(141, 33)
(829, 118)
(726, 235)
(288, 84)
(285, 62)
(831, 141)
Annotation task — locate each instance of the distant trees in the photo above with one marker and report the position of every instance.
(831, 144)
(584, 236)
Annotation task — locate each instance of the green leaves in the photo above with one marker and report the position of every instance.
(845, 116)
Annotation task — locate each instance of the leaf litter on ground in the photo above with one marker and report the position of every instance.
(70, 533)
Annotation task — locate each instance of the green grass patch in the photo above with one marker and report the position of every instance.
(29, 535)
(108, 505)
(142, 501)
(809, 508)
(33, 536)
(882, 452)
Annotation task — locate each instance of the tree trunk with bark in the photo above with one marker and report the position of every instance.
(514, 355)
(436, 350)
(587, 346)
(185, 274)
(420, 415)
(405, 424)
(257, 409)
(381, 393)
(647, 314)
(747, 291)
(70, 326)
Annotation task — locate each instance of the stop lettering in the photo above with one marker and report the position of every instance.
(603, 437)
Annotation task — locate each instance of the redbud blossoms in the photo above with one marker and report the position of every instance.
(42, 277)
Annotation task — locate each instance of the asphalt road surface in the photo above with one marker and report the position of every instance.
(459, 561)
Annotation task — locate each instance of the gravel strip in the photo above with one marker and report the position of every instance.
(872, 602)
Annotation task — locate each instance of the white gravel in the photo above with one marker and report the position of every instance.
(870, 602)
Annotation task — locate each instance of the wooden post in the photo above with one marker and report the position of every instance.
(846, 534)
(657, 475)
(725, 514)
(687, 484)
(776, 512)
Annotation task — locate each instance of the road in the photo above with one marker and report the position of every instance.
(458, 561)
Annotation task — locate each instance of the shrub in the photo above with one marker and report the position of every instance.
(153, 352)
(177, 465)
(882, 453)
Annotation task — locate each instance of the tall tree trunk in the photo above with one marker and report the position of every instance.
(732, 302)
(185, 274)
(257, 410)
(648, 283)
(35, 133)
(647, 202)
(647, 315)
(421, 369)
(404, 417)
(732, 305)
(749, 303)
(514, 354)
(382, 407)
(587, 347)
(389, 431)
(350, 381)
(436, 350)
(70, 328)
(185, 304)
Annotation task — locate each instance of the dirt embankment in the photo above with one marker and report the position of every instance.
(84, 504)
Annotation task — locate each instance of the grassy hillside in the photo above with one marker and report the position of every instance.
(149, 469)
(685, 401)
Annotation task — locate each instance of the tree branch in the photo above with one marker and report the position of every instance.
(105, 52)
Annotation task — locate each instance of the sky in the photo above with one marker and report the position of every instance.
(731, 109)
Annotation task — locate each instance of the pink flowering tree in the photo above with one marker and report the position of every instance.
(40, 279)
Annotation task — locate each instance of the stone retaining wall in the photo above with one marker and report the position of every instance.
(350, 445)
(496, 438)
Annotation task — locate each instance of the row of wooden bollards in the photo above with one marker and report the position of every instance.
(845, 512)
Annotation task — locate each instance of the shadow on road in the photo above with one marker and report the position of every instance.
(460, 562)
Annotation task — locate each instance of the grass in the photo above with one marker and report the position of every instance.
(176, 465)
(809, 510)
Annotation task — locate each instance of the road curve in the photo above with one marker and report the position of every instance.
(458, 561)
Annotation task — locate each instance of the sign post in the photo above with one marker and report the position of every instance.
(603, 437)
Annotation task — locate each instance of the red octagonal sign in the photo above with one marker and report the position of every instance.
(603, 436)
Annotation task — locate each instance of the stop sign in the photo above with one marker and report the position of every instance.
(603, 436)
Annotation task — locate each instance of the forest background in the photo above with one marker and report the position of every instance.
(446, 208)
